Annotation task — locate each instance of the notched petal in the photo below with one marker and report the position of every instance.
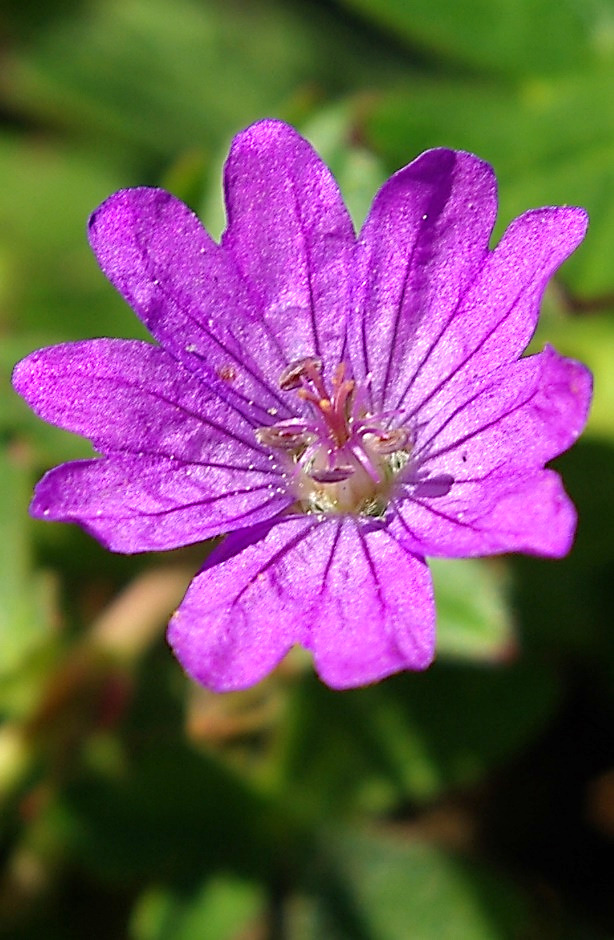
(292, 375)
(141, 503)
(189, 293)
(423, 243)
(351, 594)
(291, 237)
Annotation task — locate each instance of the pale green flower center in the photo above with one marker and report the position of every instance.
(341, 459)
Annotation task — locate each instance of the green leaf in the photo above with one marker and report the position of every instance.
(383, 887)
(27, 597)
(172, 814)
(413, 736)
(565, 606)
(550, 143)
(513, 36)
(219, 909)
(474, 620)
(51, 285)
(152, 78)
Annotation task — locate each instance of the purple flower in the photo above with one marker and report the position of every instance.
(339, 406)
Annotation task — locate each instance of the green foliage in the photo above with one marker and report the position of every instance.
(410, 740)
(392, 886)
(549, 139)
(470, 801)
(25, 614)
(515, 36)
(220, 909)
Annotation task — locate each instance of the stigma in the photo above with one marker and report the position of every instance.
(339, 457)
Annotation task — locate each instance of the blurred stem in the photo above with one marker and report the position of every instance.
(134, 619)
(90, 686)
(277, 910)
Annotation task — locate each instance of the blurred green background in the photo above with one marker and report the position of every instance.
(475, 801)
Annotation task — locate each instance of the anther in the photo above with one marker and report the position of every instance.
(388, 442)
(286, 438)
(337, 457)
(292, 375)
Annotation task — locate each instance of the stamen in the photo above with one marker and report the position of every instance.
(307, 395)
(339, 375)
(343, 398)
(292, 375)
(283, 437)
(342, 458)
(387, 442)
(362, 455)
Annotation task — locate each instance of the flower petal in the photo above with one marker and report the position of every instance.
(126, 395)
(498, 313)
(189, 293)
(134, 503)
(510, 513)
(375, 614)
(520, 416)
(234, 624)
(352, 595)
(291, 236)
(423, 243)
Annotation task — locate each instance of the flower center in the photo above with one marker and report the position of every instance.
(340, 457)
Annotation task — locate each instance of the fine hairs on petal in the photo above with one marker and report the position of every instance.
(339, 406)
